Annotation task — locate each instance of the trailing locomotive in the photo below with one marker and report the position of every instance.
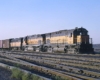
(69, 41)
(16, 43)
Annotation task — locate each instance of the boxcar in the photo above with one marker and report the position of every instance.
(0, 44)
(5, 44)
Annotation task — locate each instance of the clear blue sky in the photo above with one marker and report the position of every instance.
(25, 17)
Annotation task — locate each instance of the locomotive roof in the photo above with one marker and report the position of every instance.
(70, 30)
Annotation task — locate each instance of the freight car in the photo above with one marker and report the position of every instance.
(0, 44)
(69, 41)
(6, 44)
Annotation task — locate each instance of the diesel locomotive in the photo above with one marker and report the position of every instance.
(69, 41)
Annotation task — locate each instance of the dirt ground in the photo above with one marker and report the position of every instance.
(5, 74)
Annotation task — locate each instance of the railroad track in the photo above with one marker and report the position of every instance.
(52, 71)
(67, 67)
(95, 65)
(64, 74)
(85, 77)
(84, 59)
(85, 55)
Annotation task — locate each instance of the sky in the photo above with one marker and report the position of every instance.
(19, 18)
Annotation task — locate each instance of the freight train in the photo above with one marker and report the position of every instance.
(69, 41)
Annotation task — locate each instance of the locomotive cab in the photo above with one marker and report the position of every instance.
(82, 39)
